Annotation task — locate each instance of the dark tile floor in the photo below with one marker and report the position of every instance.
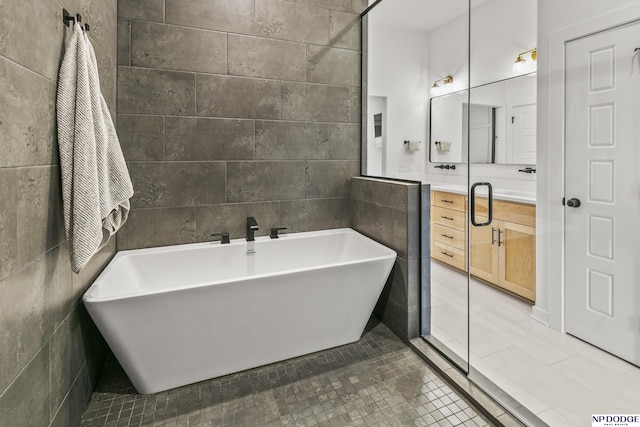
(377, 381)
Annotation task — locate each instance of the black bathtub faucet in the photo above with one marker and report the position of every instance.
(252, 227)
(224, 237)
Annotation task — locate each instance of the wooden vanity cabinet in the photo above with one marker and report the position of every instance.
(502, 253)
(448, 228)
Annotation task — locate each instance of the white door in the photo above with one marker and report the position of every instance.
(524, 123)
(480, 126)
(602, 234)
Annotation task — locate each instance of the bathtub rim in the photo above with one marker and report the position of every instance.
(89, 297)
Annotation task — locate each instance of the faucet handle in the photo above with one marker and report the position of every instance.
(224, 237)
(274, 232)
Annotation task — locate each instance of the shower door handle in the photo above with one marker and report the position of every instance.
(489, 203)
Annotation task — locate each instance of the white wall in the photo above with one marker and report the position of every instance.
(557, 23)
(398, 71)
(500, 29)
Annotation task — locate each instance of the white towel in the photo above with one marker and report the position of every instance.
(96, 187)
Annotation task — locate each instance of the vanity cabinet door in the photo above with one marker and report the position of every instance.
(518, 259)
(484, 252)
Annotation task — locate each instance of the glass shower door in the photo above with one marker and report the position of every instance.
(445, 324)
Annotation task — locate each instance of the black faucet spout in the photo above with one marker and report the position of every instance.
(252, 227)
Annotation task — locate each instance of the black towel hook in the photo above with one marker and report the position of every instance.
(67, 17)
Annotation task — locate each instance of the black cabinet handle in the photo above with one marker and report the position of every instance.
(444, 253)
(446, 201)
(447, 236)
(446, 217)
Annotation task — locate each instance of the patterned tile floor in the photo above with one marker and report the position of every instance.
(377, 381)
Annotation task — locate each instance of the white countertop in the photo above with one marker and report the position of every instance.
(500, 194)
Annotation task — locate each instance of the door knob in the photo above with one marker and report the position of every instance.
(573, 203)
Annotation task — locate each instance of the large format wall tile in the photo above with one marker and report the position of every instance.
(260, 181)
(355, 110)
(22, 323)
(26, 402)
(344, 30)
(145, 91)
(147, 10)
(344, 141)
(261, 115)
(209, 139)
(316, 103)
(102, 16)
(178, 48)
(330, 178)
(272, 59)
(223, 96)
(27, 108)
(278, 140)
(40, 221)
(8, 221)
(235, 16)
(36, 281)
(141, 137)
(158, 227)
(124, 36)
(332, 4)
(232, 218)
(290, 21)
(32, 32)
(72, 408)
(389, 212)
(67, 358)
(174, 184)
(315, 214)
(373, 220)
(332, 66)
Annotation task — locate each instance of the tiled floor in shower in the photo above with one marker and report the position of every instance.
(377, 381)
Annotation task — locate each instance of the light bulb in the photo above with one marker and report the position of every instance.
(520, 65)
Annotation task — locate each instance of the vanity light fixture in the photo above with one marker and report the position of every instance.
(522, 65)
(436, 89)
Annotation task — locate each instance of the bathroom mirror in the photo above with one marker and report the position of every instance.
(501, 117)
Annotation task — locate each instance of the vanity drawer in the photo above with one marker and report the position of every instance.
(449, 255)
(449, 217)
(453, 201)
(450, 236)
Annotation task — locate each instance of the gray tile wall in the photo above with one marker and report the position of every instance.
(50, 354)
(389, 212)
(236, 108)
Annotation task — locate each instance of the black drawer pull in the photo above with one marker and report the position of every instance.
(446, 217)
(444, 253)
(446, 201)
(447, 236)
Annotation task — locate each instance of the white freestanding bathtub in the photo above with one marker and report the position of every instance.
(181, 314)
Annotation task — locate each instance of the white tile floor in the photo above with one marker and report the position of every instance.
(561, 379)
